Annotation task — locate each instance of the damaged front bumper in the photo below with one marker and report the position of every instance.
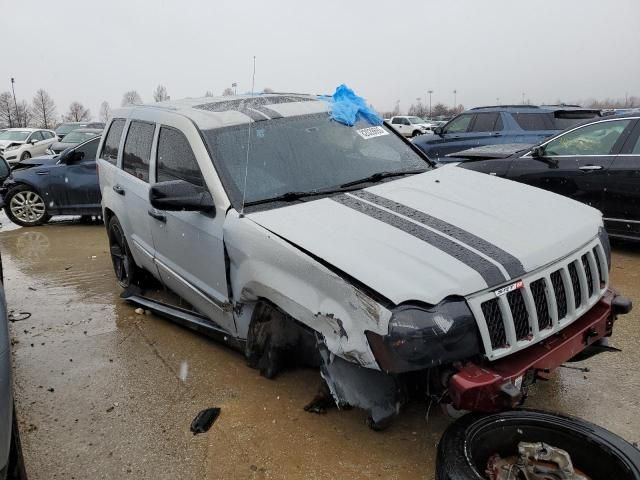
(488, 387)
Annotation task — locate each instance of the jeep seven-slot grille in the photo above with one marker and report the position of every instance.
(541, 306)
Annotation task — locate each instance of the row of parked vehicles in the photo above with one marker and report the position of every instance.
(300, 240)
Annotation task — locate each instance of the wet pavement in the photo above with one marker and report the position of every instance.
(105, 393)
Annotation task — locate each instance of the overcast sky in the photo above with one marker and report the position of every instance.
(486, 49)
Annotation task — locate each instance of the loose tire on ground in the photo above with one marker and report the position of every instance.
(26, 207)
(467, 444)
(125, 268)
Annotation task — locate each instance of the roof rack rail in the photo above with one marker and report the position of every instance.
(562, 105)
(505, 106)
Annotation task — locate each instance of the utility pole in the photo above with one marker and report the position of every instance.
(429, 92)
(15, 102)
(455, 102)
(234, 85)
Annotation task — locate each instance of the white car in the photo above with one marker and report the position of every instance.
(22, 143)
(299, 240)
(410, 126)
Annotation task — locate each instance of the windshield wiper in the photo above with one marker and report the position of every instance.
(380, 175)
(293, 196)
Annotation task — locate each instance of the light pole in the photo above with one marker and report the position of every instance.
(234, 85)
(429, 92)
(455, 102)
(15, 102)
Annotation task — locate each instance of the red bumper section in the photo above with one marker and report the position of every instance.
(495, 386)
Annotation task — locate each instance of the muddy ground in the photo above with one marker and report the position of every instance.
(105, 393)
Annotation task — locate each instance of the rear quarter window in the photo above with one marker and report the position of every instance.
(534, 121)
(112, 142)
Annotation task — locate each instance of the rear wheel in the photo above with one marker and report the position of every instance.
(26, 207)
(127, 272)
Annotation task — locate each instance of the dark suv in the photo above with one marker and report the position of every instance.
(501, 124)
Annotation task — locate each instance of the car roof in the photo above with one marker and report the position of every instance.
(25, 129)
(87, 130)
(217, 112)
(532, 108)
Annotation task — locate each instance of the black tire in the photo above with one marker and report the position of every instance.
(16, 469)
(20, 213)
(467, 444)
(415, 133)
(25, 156)
(125, 268)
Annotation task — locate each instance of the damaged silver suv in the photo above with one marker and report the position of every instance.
(301, 240)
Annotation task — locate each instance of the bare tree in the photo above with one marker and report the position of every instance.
(208, 93)
(105, 111)
(131, 98)
(227, 92)
(77, 113)
(7, 110)
(24, 114)
(43, 109)
(160, 94)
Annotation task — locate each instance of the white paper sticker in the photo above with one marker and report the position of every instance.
(372, 132)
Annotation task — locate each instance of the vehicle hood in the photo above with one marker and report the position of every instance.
(36, 162)
(61, 146)
(445, 232)
(6, 143)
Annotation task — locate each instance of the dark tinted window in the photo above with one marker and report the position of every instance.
(565, 119)
(137, 150)
(485, 122)
(47, 135)
(534, 121)
(112, 142)
(175, 159)
(396, 121)
(636, 149)
(87, 152)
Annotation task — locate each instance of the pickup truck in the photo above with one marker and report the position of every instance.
(410, 126)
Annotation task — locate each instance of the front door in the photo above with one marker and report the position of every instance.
(190, 254)
(622, 196)
(83, 192)
(575, 164)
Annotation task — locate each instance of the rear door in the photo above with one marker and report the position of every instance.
(485, 129)
(622, 195)
(576, 163)
(189, 247)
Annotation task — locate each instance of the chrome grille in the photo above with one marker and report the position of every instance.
(550, 299)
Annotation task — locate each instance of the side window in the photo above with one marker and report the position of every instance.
(37, 136)
(405, 121)
(458, 124)
(636, 149)
(137, 149)
(175, 159)
(87, 152)
(396, 121)
(595, 139)
(112, 142)
(534, 121)
(485, 122)
(46, 135)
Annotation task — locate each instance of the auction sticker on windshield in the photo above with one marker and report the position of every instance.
(372, 132)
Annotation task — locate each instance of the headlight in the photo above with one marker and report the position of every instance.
(13, 147)
(422, 337)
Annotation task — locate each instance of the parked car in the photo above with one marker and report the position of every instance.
(22, 143)
(597, 163)
(75, 137)
(409, 126)
(301, 239)
(67, 187)
(501, 124)
(11, 460)
(67, 127)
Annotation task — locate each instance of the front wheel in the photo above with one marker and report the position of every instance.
(25, 156)
(415, 133)
(125, 268)
(26, 207)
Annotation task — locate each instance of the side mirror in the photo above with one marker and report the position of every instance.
(178, 195)
(537, 152)
(33, 141)
(438, 131)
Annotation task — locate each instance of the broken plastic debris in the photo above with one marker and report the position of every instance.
(204, 420)
(347, 108)
(139, 311)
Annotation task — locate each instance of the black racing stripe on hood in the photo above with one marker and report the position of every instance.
(489, 272)
(510, 263)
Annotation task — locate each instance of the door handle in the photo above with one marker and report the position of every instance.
(589, 168)
(161, 217)
(118, 189)
(497, 134)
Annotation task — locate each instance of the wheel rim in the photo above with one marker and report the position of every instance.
(119, 254)
(27, 206)
(26, 155)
